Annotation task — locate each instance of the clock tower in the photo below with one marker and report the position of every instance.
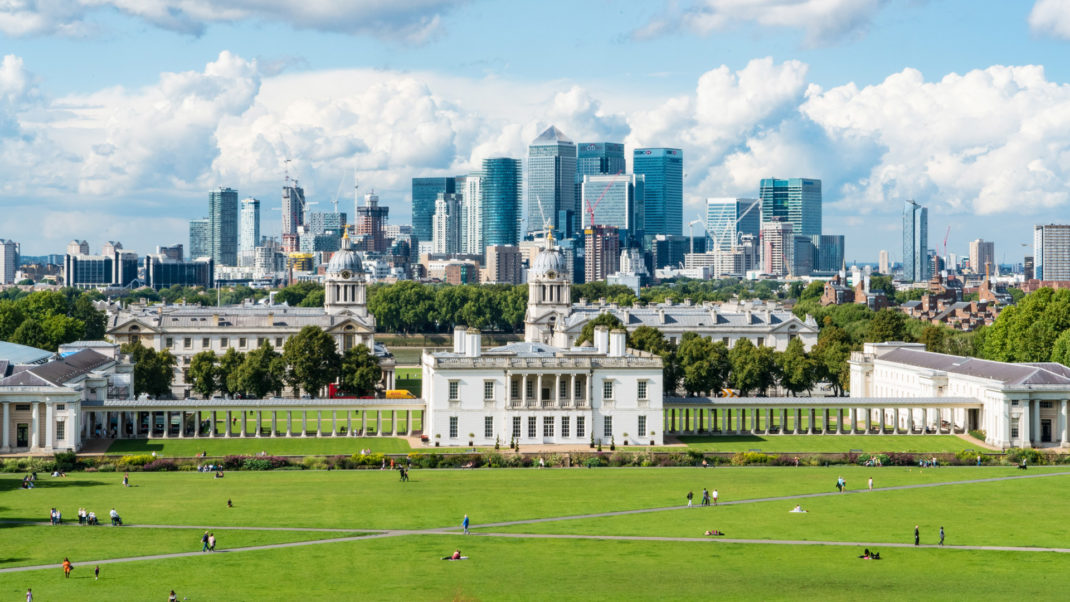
(345, 287)
(549, 295)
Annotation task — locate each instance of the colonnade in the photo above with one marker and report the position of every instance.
(571, 398)
(808, 420)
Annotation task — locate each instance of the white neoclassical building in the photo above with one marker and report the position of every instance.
(541, 394)
(553, 319)
(187, 330)
(1016, 404)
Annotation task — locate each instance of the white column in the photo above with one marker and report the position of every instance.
(228, 424)
(1024, 423)
(182, 424)
(289, 423)
(557, 391)
(910, 421)
(379, 423)
(783, 421)
(1064, 439)
(73, 429)
(524, 390)
(50, 425)
(319, 423)
(1035, 428)
(6, 426)
(349, 422)
(274, 423)
(35, 426)
(259, 423)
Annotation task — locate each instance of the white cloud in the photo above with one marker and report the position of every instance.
(823, 21)
(412, 21)
(1051, 17)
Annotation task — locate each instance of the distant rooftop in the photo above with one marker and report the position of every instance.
(551, 135)
(16, 354)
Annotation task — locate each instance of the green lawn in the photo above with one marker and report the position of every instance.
(829, 443)
(184, 448)
(407, 567)
(408, 373)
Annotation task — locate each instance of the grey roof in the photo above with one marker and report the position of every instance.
(3, 368)
(272, 402)
(911, 304)
(1004, 372)
(683, 316)
(246, 316)
(60, 371)
(550, 136)
(26, 378)
(23, 354)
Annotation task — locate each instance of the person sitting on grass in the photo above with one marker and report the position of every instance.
(715, 533)
(455, 556)
(797, 508)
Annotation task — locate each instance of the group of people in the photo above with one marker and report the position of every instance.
(707, 497)
(930, 463)
(208, 541)
(404, 472)
(917, 535)
(841, 484)
(29, 480)
(87, 518)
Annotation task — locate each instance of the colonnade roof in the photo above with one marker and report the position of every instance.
(275, 403)
(820, 402)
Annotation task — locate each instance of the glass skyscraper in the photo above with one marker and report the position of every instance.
(600, 158)
(728, 218)
(249, 236)
(617, 201)
(223, 224)
(424, 193)
(551, 186)
(664, 172)
(915, 242)
(502, 178)
(795, 200)
(200, 238)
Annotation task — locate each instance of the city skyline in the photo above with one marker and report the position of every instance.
(226, 100)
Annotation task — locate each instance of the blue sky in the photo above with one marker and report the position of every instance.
(115, 121)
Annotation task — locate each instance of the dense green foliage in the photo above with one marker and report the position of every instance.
(48, 319)
(410, 307)
(360, 371)
(1031, 331)
(313, 360)
(603, 319)
(153, 371)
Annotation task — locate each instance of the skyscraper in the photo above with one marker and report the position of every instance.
(249, 233)
(371, 218)
(1051, 252)
(472, 204)
(916, 267)
(200, 239)
(424, 193)
(795, 200)
(601, 253)
(828, 253)
(501, 205)
(617, 200)
(778, 247)
(9, 261)
(293, 215)
(600, 158)
(446, 231)
(663, 169)
(982, 255)
(551, 187)
(223, 224)
(883, 265)
(729, 218)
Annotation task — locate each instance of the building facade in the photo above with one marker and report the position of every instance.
(503, 264)
(615, 200)
(794, 200)
(446, 234)
(1051, 252)
(539, 394)
(982, 256)
(163, 272)
(200, 238)
(729, 218)
(472, 209)
(551, 185)
(249, 232)
(601, 252)
(600, 158)
(425, 192)
(663, 171)
(223, 224)
(916, 266)
(369, 226)
(778, 248)
(293, 215)
(9, 261)
(500, 208)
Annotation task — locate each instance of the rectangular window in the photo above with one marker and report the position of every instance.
(564, 426)
(488, 390)
(642, 427)
(641, 389)
(562, 390)
(453, 427)
(529, 385)
(607, 389)
(547, 426)
(278, 342)
(187, 343)
(761, 341)
(61, 431)
(514, 389)
(455, 390)
(1014, 402)
(579, 426)
(725, 341)
(1045, 404)
(607, 426)
(22, 407)
(488, 426)
(223, 342)
(516, 427)
(60, 407)
(578, 388)
(260, 341)
(1014, 428)
(532, 427)
(206, 343)
(169, 342)
(241, 342)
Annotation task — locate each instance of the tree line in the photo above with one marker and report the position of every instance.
(48, 319)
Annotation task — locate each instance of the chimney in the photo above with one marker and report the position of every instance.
(458, 338)
(215, 319)
(270, 319)
(601, 339)
(473, 343)
(617, 342)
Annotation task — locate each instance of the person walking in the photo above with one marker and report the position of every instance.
(689, 496)
(871, 483)
(67, 566)
(29, 595)
(705, 497)
(714, 496)
(211, 542)
(941, 535)
(96, 573)
(917, 538)
(204, 542)
(464, 524)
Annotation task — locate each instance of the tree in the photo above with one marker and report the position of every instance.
(882, 284)
(32, 334)
(360, 370)
(830, 357)
(260, 372)
(813, 291)
(753, 368)
(935, 338)
(796, 368)
(153, 372)
(94, 321)
(313, 360)
(704, 364)
(228, 364)
(604, 319)
(1061, 350)
(650, 339)
(887, 325)
(1027, 332)
(11, 317)
(314, 298)
(203, 373)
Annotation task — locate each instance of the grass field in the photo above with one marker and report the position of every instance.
(408, 373)
(829, 443)
(187, 448)
(526, 564)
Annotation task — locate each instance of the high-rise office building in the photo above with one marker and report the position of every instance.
(1051, 252)
(617, 200)
(795, 200)
(601, 252)
(249, 230)
(828, 250)
(883, 265)
(501, 203)
(223, 223)
(600, 158)
(425, 192)
(172, 252)
(78, 247)
(729, 218)
(293, 215)
(551, 186)
(778, 247)
(503, 264)
(446, 230)
(916, 266)
(982, 256)
(200, 239)
(9, 261)
(371, 218)
(1028, 267)
(663, 169)
(472, 209)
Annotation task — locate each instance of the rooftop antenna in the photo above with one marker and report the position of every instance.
(286, 162)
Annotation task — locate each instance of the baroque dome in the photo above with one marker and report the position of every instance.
(549, 263)
(345, 260)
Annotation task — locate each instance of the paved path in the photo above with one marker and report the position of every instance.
(452, 530)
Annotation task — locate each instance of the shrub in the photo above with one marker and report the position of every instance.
(745, 458)
(595, 460)
(66, 461)
(162, 464)
(106, 467)
(11, 465)
(969, 456)
(256, 464)
(978, 434)
(373, 460)
(865, 458)
(901, 459)
(1015, 455)
(620, 459)
(694, 457)
(138, 460)
(314, 463)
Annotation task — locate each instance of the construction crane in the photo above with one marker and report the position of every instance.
(590, 208)
(547, 225)
(691, 231)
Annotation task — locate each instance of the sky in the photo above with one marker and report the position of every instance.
(118, 116)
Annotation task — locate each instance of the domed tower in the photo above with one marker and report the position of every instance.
(345, 289)
(549, 295)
